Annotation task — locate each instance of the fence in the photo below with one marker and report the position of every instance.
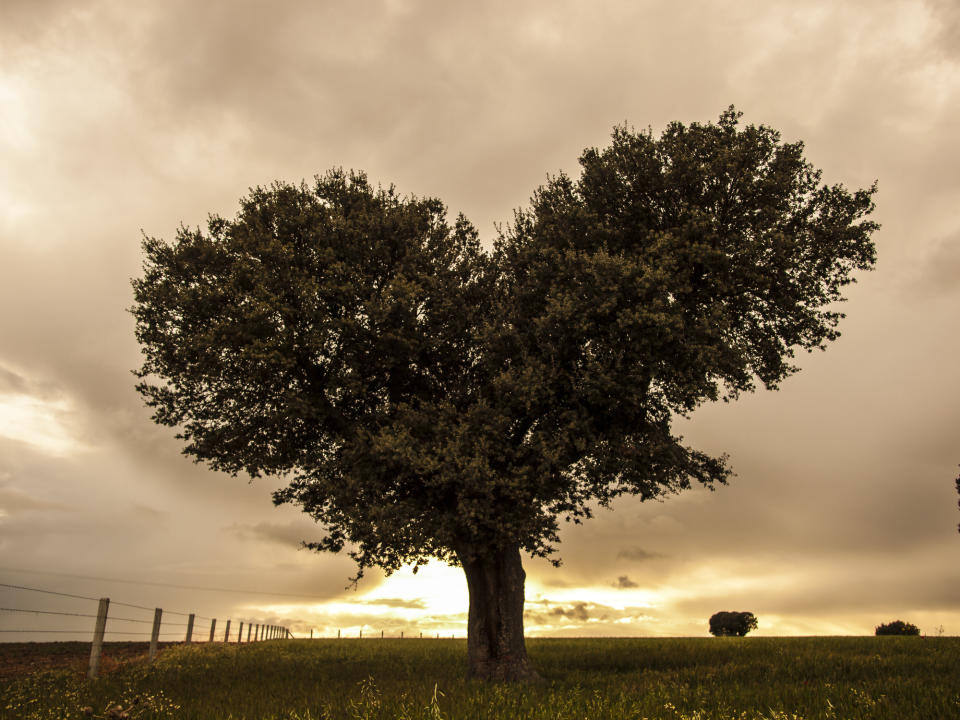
(382, 635)
(255, 631)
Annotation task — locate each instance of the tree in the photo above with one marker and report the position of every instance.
(897, 627)
(729, 624)
(426, 398)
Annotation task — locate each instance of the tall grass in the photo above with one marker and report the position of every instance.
(677, 679)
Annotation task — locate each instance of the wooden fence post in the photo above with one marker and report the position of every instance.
(239, 632)
(226, 635)
(190, 628)
(98, 631)
(249, 628)
(155, 633)
(401, 634)
(311, 633)
(338, 633)
(381, 634)
(213, 625)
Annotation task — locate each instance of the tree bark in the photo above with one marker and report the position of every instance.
(495, 645)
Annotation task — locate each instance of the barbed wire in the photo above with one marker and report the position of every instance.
(86, 615)
(93, 599)
(240, 591)
(50, 592)
(198, 632)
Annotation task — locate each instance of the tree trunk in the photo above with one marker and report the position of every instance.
(495, 645)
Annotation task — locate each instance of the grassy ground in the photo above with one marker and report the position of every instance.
(678, 679)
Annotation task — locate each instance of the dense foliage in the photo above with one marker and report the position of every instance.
(897, 627)
(426, 398)
(727, 623)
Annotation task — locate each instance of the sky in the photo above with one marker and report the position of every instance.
(119, 119)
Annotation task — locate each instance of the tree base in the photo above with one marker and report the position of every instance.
(496, 651)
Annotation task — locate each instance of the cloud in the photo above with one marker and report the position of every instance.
(414, 603)
(946, 18)
(638, 554)
(14, 502)
(45, 425)
(623, 582)
(578, 611)
(585, 615)
(292, 534)
(940, 273)
(12, 383)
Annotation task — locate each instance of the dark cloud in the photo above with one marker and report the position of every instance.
(623, 582)
(577, 611)
(638, 554)
(291, 534)
(581, 614)
(946, 17)
(11, 382)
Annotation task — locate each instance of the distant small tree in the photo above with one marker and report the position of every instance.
(898, 627)
(728, 624)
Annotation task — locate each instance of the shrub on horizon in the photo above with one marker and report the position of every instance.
(728, 623)
(897, 627)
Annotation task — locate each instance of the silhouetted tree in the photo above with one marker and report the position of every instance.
(425, 398)
(897, 627)
(729, 623)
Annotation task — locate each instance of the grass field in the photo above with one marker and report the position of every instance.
(677, 679)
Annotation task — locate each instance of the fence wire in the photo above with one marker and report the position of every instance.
(200, 632)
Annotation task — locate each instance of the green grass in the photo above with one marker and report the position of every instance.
(679, 679)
